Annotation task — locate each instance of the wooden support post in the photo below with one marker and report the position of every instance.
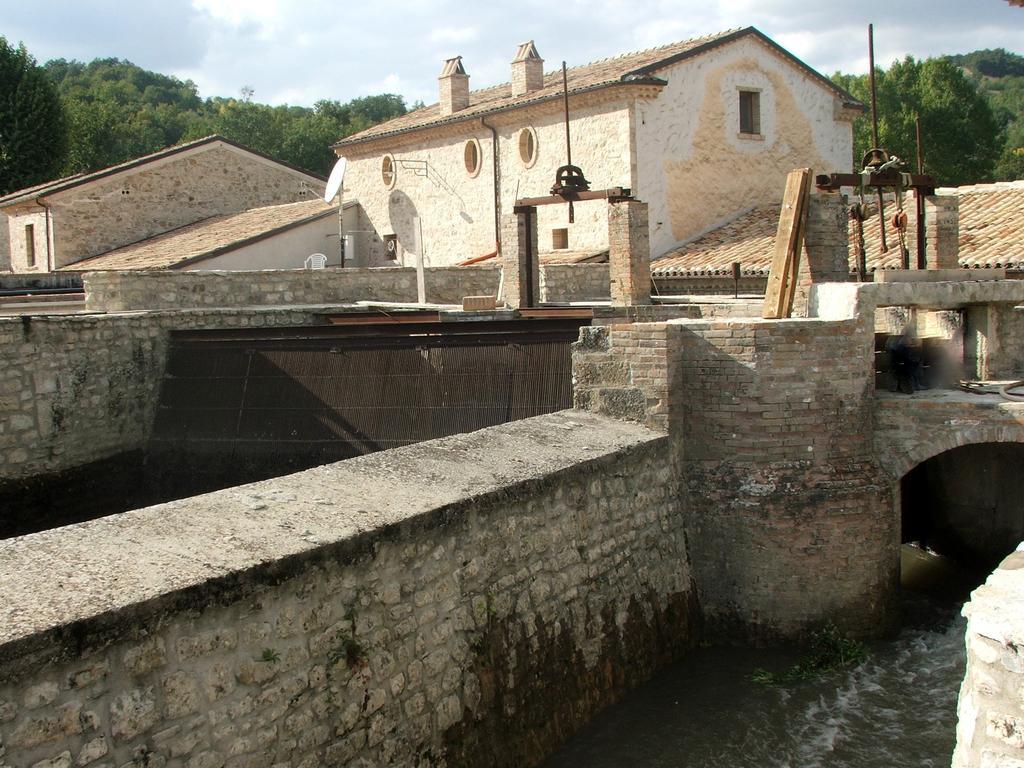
(778, 298)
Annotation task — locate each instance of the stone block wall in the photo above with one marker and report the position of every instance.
(122, 291)
(789, 520)
(127, 207)
(990, 727)
(76, 389)
(574, 282)
(463, 602)
(164, 290)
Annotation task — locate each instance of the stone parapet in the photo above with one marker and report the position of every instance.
(466, 601)
(990, 726)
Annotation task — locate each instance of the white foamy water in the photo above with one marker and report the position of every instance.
(897, 708)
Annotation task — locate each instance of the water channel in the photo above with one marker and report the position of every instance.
(898, 708)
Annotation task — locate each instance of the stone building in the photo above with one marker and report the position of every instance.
(285, 236)
(59, 223)
(701, 130)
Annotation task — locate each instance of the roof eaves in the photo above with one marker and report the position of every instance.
(233, 246)
(461, 118)
(219, 250)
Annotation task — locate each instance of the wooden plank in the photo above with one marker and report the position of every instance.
(788, 239)
(794, 264)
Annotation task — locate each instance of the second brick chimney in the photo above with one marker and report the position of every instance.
(454, 86)
(527, 70)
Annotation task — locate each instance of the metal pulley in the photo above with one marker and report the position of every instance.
(569, 180)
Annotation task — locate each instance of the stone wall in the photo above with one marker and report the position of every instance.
(121, 291)
(468, 601)
(790, 523)
(574, 282)
(990, 727)
(125, 291)
(127, 207)
(75, 389)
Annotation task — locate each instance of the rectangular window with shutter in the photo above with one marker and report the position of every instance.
(750, 112)
(30, 244)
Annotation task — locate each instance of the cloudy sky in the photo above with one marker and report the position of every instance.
(299, 52)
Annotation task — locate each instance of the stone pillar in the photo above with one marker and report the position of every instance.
(520, 263)
(629, 253)
(942, 231)
(826, 251)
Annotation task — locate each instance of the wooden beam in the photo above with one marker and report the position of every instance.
(781, 290)
(612, 193)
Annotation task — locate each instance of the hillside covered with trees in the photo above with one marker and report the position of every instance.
(108, 111)
(971, 108)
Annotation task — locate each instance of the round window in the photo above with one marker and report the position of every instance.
(528, 146)
(471, 156)
(387, 171)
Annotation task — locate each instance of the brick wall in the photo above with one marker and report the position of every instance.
(790, 523)
(468, 601)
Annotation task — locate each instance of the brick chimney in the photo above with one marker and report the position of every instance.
(454, 85)
(527, 69)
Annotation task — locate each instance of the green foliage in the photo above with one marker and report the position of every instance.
(962, 137)
(33, 131)
(118, 111)
(990, 62)
(350, 650)
(270, 656)
(829, 650)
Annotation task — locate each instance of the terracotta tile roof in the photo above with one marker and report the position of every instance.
(991, 235)
(637, 68)
(59, 185)
(548, 257)
(748, 239)
(992, 225)
(206, 238)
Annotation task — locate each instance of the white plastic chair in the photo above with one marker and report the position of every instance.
(316, 261)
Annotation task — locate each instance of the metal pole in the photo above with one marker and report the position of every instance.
(874, 130)
(565, 96)
(922, 261)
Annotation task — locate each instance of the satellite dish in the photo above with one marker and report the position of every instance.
(335, 180)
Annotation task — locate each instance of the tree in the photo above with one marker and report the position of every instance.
(118, 111)
(962, 138)
(33, 133)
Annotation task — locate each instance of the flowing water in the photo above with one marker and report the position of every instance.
(898, 708)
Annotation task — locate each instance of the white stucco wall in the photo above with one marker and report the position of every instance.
(693, 167)
(456, 210)
(286, 250)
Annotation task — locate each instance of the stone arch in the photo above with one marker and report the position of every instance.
(902, 455)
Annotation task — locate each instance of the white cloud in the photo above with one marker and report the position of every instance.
(301, 52)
